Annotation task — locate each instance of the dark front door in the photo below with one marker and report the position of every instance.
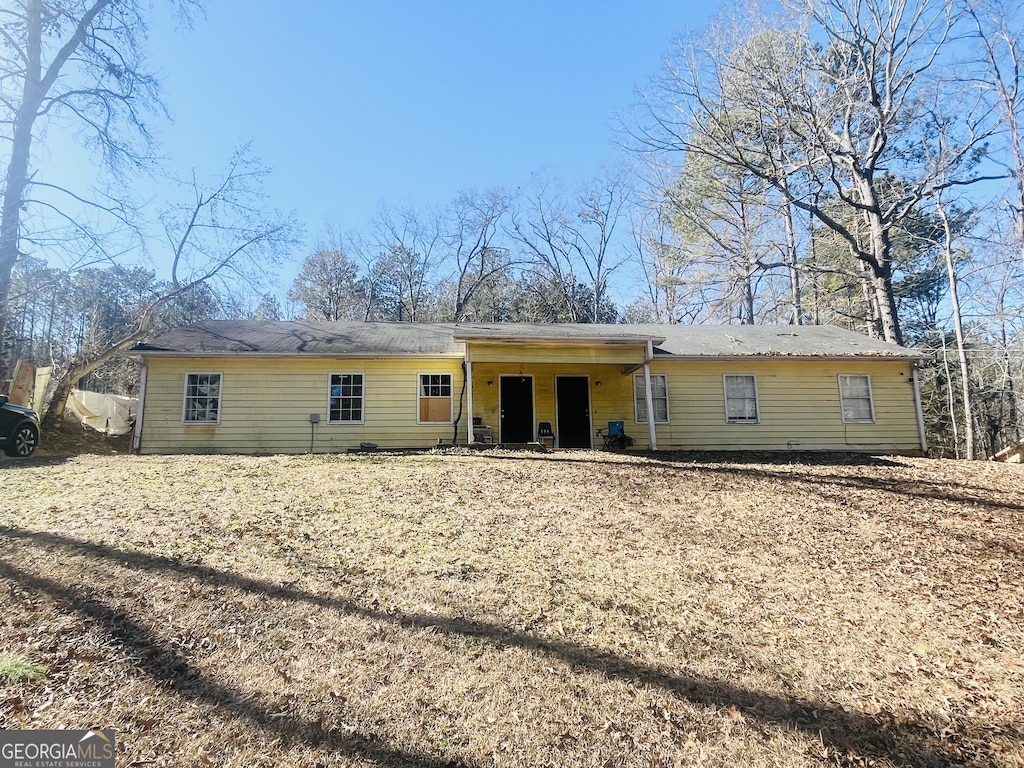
(573, 395)
(516, 409)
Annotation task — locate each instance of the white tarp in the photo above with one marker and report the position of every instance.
(109, 414)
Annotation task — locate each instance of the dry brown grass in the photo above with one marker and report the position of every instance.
(579, 609)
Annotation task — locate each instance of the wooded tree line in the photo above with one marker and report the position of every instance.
(850, 162)
(857, 163)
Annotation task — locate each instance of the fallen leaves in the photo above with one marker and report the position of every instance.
(583, 609)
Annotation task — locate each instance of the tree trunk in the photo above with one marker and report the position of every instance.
(791, 262)
(16, 179)
(79, 370)
(878, 259)
(870, 304)
(748, 294)
(1010, 386)
(958, 328)
(885, 306)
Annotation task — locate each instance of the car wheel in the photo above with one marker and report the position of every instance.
(23, 443)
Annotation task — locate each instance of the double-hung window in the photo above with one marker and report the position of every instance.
(202, 398)
(741, 399)
(855, 397)
(659, 396)
(345, 399)
(435, 398)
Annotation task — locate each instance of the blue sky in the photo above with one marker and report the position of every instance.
(355, 103)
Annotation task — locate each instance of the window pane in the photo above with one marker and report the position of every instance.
(660, 410)
(659, 392)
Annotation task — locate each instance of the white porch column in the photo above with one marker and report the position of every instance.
(469, 397)
(647, 393)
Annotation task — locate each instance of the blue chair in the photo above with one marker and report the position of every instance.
(614, 436)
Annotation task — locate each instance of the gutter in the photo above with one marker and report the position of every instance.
(144, 353)
(852, 357)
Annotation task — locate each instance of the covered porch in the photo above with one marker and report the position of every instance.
(522, 380)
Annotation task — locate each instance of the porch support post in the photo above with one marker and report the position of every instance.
(647, 393)
(469, 397)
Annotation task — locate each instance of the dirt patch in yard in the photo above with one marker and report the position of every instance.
(73, 439)
(583, 609)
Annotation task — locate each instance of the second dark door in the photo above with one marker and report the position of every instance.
(573, 396)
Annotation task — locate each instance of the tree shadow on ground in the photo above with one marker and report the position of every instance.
(816, 458)
(8, 464)
(750, 465)
(909, 742)
(166, 665)
(916, 489)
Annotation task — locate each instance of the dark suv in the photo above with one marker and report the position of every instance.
(19, 429)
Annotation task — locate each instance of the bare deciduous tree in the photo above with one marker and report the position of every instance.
(570, 237)
(223, 230)
(999, 27)
(823, 123)
(472, 228)
(77, 61)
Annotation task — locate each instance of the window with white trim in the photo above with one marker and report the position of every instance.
(435, 398)
(855, 398)
(659, 395)
(202, 398)
(741, 399)
(345, 399)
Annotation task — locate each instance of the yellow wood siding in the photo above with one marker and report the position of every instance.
(266, 404)
(798, 400)
(798, 403)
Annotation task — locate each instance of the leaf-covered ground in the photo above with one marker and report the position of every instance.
(576, 609)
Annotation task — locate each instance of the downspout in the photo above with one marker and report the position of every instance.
(137, 437)
(922, 435)
(649, 395)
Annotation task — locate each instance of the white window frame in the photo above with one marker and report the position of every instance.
(641, 393)
(185, 399)
(420, 396)
(362, 397)
(757, 398)
(843, 398)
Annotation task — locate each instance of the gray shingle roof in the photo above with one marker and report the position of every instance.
(274, 337)
(231, 337)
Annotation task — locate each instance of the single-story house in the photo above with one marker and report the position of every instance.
(289, 387)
